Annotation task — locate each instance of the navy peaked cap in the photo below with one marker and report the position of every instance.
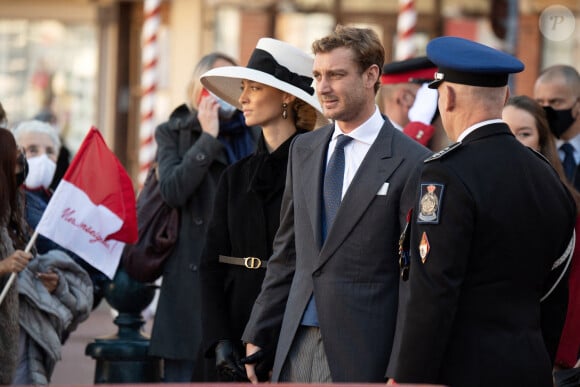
(470, 63)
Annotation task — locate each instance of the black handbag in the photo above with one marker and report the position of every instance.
(158, 230)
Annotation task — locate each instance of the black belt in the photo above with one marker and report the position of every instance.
(248, 262)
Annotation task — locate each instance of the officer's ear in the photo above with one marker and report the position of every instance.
(449, 97)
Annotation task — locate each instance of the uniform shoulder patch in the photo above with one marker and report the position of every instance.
(443, 152)
(430, 203)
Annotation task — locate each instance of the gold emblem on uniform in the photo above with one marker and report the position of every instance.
(424, 247)
(430, 203)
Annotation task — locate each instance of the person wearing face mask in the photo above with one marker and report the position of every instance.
(40, 143)
(200, 139)
(557, 89)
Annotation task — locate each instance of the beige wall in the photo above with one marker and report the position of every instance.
(185, 46)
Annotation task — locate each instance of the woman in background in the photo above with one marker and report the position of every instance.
(200, 139)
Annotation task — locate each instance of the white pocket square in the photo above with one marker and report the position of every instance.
(383, 190)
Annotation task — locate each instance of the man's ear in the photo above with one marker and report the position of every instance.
(405, 97)
(372, 75)
(449, 98)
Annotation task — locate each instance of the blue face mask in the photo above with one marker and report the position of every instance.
(226, 111)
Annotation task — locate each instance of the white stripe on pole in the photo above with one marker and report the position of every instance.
(149, 80)
(406, 23)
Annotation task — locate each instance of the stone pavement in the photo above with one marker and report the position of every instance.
(76, 368)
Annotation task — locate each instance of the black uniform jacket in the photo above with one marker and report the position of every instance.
(490, 219)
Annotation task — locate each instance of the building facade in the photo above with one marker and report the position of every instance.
(80, 60)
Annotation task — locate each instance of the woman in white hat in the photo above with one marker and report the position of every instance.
(275, 92)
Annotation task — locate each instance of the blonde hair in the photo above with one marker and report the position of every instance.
(206, 63)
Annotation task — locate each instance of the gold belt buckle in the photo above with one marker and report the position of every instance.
(252, 262)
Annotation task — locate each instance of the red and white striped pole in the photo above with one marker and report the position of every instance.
(406, 22)
(149, 79)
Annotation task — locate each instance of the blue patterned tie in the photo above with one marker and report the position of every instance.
(569, 163)
(333, 178)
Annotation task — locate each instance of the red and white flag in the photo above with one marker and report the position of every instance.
(92, 212)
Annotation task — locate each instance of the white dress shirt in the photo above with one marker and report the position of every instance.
(356, 150)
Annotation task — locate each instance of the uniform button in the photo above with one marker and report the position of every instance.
(192, 267)
(200, 156)
(198, 221)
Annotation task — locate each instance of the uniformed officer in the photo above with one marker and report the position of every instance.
(409, 104)
(400, 82)
(491, 219)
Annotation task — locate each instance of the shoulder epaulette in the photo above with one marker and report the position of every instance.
(443, 152)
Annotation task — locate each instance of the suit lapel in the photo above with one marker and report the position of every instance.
(312, 156)
(376, 168)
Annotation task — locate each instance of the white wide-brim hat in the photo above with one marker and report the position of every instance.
(273, 63)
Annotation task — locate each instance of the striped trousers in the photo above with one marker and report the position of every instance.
(306, 361)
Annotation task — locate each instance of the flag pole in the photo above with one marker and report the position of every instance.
(13, 275)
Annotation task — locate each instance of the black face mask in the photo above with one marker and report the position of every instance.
(559, 120)
(23, 164)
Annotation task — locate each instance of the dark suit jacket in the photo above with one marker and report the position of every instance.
(473, 314)
(354, 274)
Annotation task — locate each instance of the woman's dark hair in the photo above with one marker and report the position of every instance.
(11, 197)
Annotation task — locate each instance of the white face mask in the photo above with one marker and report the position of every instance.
(40, 172)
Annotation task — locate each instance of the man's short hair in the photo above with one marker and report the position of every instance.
(363, 42)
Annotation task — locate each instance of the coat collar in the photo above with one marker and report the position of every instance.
(486, 131)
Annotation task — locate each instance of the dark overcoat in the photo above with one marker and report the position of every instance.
(354, 273)
(187, 182)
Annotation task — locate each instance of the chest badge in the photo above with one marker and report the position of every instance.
(424, 247)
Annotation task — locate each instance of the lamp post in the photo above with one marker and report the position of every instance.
(122, 357)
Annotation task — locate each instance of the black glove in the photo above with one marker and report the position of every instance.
(263, 364)
(228, 366)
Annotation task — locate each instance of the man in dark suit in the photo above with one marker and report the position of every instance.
(557, 89)
(331, 285)
(491, 220)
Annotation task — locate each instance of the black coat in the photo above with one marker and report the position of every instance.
(480, 255)
(245, 219)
